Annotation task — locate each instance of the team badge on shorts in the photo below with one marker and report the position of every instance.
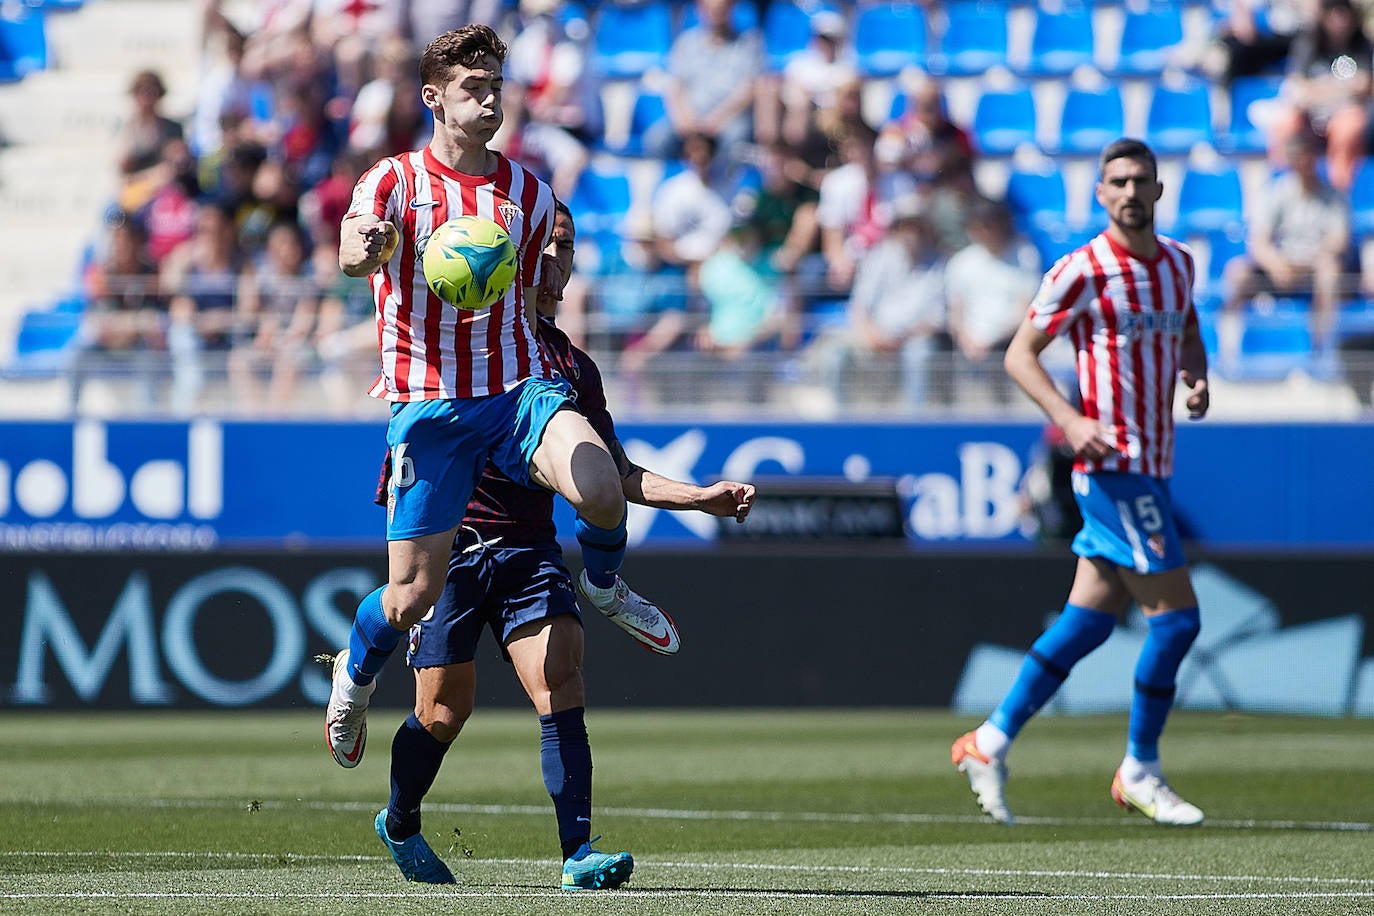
(413, 642)
(1156, 544)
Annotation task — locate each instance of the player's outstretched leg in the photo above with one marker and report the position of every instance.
(413, 856)
(1153, 797)
(987, 777)
(589, 869)
(345, 718)
(634, 614)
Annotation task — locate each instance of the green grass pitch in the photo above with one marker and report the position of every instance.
(726, 811)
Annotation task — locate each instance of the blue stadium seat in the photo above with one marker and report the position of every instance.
(1180, 117)
(1241, 134)
(1003, 120)
(1362, 199)
(1061, 41)
(1272, 346)
(648, 109)
(601, 199)
(1223, 245)
(975, 38)
(45, 343)
(631, 40)
(1037, 200)
(1091, 119)
(1149, 36)
(888, 37)
(786, 32)
(1208, 201)
(1053, 244)
(23, 41)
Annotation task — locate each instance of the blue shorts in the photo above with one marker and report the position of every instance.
(439, 447)
(1128, 519)
(490, 586)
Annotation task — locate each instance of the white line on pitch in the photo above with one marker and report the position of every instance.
(729, 866)
(439, 894)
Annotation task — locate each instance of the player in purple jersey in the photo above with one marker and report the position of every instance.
(1124, 300)
(506, 573)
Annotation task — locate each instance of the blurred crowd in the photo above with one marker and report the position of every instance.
(862, 251)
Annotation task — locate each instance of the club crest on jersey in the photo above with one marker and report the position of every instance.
(511, 214)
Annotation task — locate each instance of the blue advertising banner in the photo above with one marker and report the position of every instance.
(210, 484)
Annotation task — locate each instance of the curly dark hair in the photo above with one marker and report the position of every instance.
(464, 47)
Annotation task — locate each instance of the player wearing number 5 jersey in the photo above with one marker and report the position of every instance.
(465, 387)
(1124, 300)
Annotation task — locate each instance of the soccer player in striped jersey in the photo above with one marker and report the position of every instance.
(506, 573)
(464, 387)
(1125, 302)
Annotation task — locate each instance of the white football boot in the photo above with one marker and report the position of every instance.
(987, 777)
(345, 718)
(1153, 798)
(633, 614)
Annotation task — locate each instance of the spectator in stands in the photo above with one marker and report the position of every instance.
(689, 219)
(1327, 89)
(852, 206)
(1298, 246)
(276, 315)
(168, 215)
(551, 152)
(1254, 37)
(201, 279)
(122, 328)
(345, 335)
(550, 58)
(897, 316)
(927, 137)
(387, 116)
(783, 213)
(710, 85)
(988, 286)
(789, 101)
(950, 198)
(221, 84)
(142, 138)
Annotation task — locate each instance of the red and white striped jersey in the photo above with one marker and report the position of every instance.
(430, 349)
(1126, 317)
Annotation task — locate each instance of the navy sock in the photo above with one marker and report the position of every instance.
(415, 759)
(603, 551)
(1076, 632)
(372, 640)
(1156, 676)
(565, 757)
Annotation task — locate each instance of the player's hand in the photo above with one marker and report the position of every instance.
(380, 240)
(1089, 439)
(552, 281)
(726, 498)
(1200, 399)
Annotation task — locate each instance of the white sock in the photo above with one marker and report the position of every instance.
(1134, 770)
(595, 593)
(992, 741)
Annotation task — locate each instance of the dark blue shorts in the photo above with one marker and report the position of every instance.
(490, 586)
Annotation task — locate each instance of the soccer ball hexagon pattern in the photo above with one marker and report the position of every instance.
(469, 262)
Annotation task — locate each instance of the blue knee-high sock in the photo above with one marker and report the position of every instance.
(372, 640)
(603, 550)
(1076, 632)
(565, 757)
(1156, 674)
(415, 759)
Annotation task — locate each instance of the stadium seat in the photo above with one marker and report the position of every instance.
(1362, 200)
(45, 343)
(1241, 134)
(975, 38)
(1273, 346)
(1091, 119)
(1003, 120)
(786, 32)
(23, 41)
(1037, 200)
(1208, 201)
(1222, 246)
(1055, 243)
(631, 40)
(601, 199)
(889, 37)
(1149, 36)
(1179, 118)
(648, 109)
(1061, 41)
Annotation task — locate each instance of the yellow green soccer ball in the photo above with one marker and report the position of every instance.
(469, 262)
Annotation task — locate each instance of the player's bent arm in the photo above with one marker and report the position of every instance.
(1022, 362)
(725, 498)
(1192, 368)
(364, 243)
